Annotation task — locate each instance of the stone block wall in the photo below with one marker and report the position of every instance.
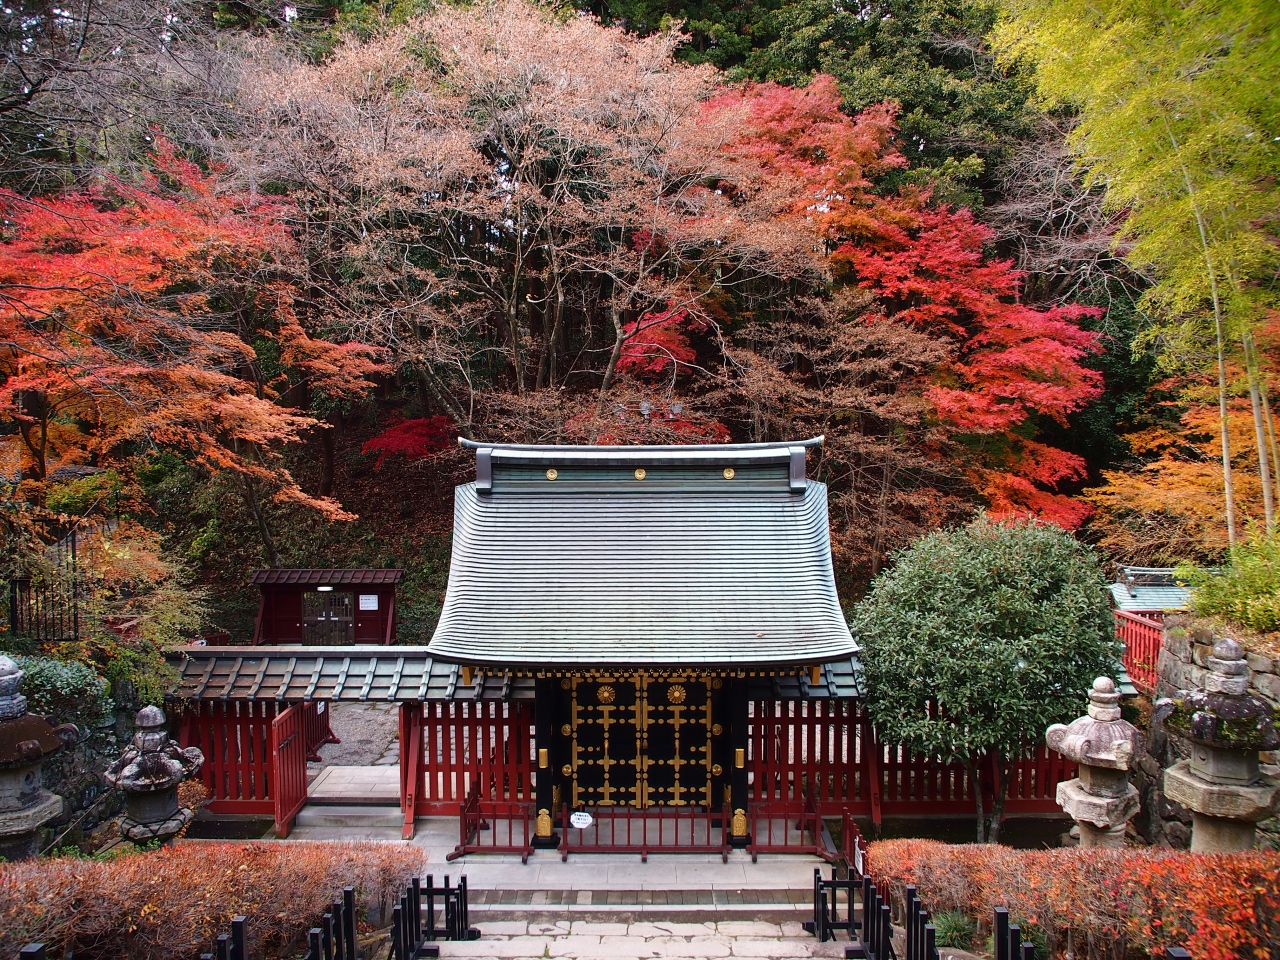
(1184, 653)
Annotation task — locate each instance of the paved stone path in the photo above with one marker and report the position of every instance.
(586, 940)
(369, 733)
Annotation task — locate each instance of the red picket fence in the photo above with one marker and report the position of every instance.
(448, 746)
(235, 739)
(825, 750)
(1141, 632)
(289, 754)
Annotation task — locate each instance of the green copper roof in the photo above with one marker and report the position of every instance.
(692, 555)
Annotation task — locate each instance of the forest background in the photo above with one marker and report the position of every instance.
(260, 266)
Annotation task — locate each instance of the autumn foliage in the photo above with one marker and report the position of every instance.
(1217, 906)
(170, 904)
(412, 439)
(130, 316)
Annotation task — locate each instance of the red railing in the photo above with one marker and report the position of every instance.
(785, 826)
(460, 743)
(624, 829)
(826, 751)
(494, 826)
(289, 753)
(315, 722)
(1141, 632)
(235, 739)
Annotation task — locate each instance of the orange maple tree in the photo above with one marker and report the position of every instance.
(128, 322)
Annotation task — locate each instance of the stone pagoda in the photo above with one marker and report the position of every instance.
(149, 772)
(26, 741)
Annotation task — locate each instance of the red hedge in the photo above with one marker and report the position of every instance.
(170, 904)
(1218, 906)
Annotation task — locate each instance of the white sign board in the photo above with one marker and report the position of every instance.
(368, 601)
(580, 819)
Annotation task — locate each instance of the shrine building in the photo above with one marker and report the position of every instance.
(639, 648)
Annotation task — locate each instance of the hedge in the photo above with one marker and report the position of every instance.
(1111, 901)
(170, 904)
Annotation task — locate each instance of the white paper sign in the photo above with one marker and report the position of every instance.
(368, 601)
(580, 819)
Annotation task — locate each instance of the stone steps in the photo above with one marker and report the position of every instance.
(618, 940)
(362, 816)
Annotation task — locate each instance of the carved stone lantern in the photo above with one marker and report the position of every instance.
(1226, 725)
(25, 742)
(1101, 799)
(149, 772)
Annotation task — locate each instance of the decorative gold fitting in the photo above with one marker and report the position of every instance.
(607, 694)
(565, 684)
(565, 730)
(716, 769)
(567, 770)
(717, 683)
(640, 473)
(716, 729)
(728, 473)
(739, 758)
(815, 676)
(739, 825)
(467, 676)
(544, 758)
(676, 693)
(543, 825)
(551, 475)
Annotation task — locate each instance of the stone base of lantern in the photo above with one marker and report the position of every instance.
(20, 829)
(1102, 819)
(1223, 814)
(161, 830)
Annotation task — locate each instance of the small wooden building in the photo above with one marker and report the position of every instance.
(326, 607)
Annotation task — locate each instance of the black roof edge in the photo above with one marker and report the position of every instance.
(677, 448)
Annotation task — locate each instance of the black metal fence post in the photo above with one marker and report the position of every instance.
(349, 921)
(1000, 933)
(32, 951)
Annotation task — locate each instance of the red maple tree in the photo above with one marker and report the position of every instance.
(1008, 364)
(129, 317)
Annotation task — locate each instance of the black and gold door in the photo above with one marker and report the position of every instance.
(640, 741)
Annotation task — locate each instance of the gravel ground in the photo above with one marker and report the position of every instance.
(369, 733)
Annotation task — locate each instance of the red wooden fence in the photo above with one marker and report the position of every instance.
(315, 725)
(446, 746)
(1141, 632)
(826, 750)
(289, 762)
(235, 739)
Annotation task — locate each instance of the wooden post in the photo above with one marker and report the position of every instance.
(739, 719)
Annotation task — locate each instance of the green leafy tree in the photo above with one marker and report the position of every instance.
(1246, 591)
(977, 639)
(960, 113)
(1179, 121)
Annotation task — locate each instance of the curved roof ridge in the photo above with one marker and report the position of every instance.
(679, 448)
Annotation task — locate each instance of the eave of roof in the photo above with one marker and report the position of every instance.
(298, 674)
(353, 576)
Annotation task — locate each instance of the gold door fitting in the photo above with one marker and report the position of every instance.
(542, 827)
(544, 759)
(739, 759)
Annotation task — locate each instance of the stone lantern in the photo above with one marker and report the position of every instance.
(1226, 725)
(149, 772)
(25, 742)
(1101, 799)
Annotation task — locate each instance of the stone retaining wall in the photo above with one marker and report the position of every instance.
(1184, 652)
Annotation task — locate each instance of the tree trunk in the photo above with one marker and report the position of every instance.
(1002, 772)
(264, 530)
(616, 316)
(328, 435)
(1228, 488)
(1260, 429)
(975, 780)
